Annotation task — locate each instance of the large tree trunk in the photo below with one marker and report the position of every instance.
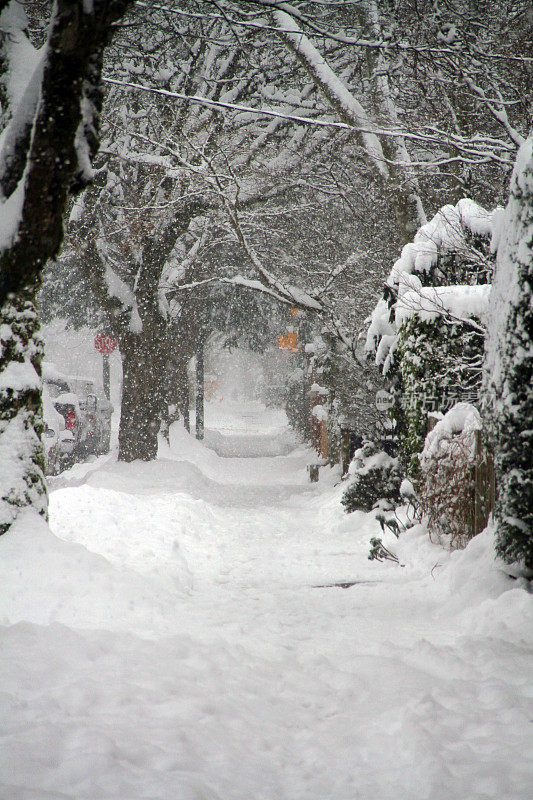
(48, 129)
(155, 373)
(148, 342)
(177, 395)
(143, 397)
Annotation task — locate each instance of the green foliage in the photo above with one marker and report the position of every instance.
(510, 390)
(378, 552)
(376, 477)
(22, 481)
(438, 364)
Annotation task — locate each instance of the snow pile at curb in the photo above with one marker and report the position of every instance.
(47, 580)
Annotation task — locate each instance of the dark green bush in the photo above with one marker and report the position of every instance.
(375, 477)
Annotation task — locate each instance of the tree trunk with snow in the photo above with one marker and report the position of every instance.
(200, 395)
(51, 135)
(403, 181)
(143, 396)
(148, 341)
(182, 394)
(509, 368)
(177, 393)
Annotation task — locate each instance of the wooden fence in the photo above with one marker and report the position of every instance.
(479, 496)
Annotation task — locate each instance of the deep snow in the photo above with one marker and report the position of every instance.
(167, 638)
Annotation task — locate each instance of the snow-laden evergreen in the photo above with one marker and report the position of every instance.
(427, 331)
(509, 367)
(21, 425)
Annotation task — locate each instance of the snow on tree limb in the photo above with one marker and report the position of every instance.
(24, 72)
(258, 111)
(473, 150)
(341, 99)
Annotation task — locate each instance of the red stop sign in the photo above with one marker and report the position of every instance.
(105, 344)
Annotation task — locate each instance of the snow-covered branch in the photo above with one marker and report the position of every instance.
(340, 98)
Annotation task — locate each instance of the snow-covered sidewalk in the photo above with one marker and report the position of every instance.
(174, 636)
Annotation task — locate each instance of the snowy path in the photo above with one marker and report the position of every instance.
(171, 642)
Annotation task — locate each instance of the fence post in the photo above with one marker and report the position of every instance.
(313, 472)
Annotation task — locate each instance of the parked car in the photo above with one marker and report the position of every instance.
(94, 418)
(58, 440)
(86, 417)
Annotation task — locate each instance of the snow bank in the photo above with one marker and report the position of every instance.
(482, 596)
(46, 579)
(472, 587)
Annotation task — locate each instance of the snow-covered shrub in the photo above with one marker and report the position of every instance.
(425, 333)
(22, 466)
(378, 551)
(446, 487)
(438, 364)
(440, 272)
(509, 369)
(376, 477)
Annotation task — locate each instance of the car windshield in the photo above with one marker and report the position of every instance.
(82, 387)
(55, 388)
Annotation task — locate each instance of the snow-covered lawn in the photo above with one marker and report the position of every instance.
(169, 636)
